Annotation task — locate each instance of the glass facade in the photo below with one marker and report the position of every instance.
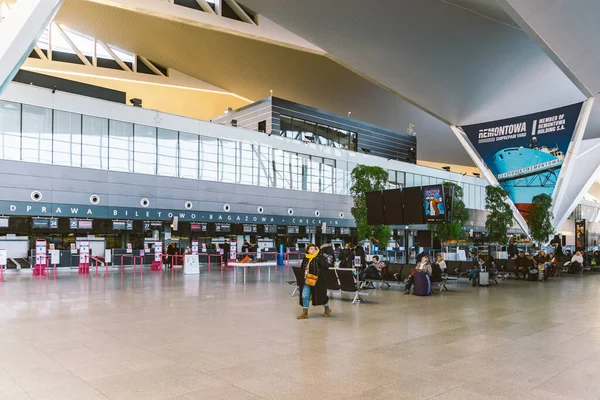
(299, 129)
(41, 135)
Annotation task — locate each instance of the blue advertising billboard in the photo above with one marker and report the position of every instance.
(526, 153)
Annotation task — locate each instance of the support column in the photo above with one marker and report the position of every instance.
(20, 32)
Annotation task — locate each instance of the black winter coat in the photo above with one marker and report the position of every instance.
(318, 266)
(346, 258)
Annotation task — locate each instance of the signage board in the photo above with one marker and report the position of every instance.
(4, 222)
(108, 256)
(222, 228)
(73, 249)
(195, 247)
(84, 252)
(158, 249)
(311, 230)
(270, 228)
(191, 264)
(293, 229)
(3, 257)
(344, 231)
(54, 257)
(526, 153)
(40, 252)
(198, 227)
(434, 210)
(129, 248)
(122, 225)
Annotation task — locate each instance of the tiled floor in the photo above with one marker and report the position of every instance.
(203, 337)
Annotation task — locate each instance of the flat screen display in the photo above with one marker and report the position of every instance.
(198, 227)
(223, 228)
(270, 228)
(249, 228)
(413, 205)
(393, 207)
(122, 225)
(330, 230)
(344, 231)
(434, 207)
(374, 208)
(311, 230)
(85, 224)
(40, 223)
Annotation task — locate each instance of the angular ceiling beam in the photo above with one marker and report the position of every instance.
(39, 52)
(115, 57)
(78, 52)
(148, 64)
(206, 7)
(240, 11)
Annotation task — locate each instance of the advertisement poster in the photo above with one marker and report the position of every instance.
(129, 248)
(526, 153)
(73, 249)
(580, 235)
(433, 204)
(195, 247)
(54, 257)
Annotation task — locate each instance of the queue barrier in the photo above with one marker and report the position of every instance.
(134, 257)
(287, 256)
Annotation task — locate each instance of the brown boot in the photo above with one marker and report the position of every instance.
(304, 314)
(327, 311)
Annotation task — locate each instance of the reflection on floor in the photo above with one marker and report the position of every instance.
(169, 336)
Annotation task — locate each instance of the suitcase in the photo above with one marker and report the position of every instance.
(484, 278)
(422, 284)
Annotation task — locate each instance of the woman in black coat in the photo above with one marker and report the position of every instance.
(314, 263)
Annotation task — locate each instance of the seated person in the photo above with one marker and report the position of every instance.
(477, 268)
(374, 271)
(550, 265)
(440, 261)
(492, 265)
(577, 258)
(436, 272)
(522, 265)
(422, 266)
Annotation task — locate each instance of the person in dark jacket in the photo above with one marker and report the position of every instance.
(359, 251)
(346, 257)
(245, 247)
(329, 254)
(316, 264)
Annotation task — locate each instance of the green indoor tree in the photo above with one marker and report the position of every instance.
(368, 179)
(539, 218)
(453, 230)
(500, 215)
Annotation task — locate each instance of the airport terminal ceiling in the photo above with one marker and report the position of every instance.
(251, 68)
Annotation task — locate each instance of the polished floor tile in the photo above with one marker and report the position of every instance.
(171, 336)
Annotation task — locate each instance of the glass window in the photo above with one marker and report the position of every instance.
(304, 166)
(121, 146)
(341, 177)
(277, 162)
(424, 180)
(409, 180)
(310, 128)
(145, 149)
(297, 128)
(264, 176)
(344, 139)
(37, 134)
(285, 125)
(67, 138)
(227, 160)
(193, 152)
(248, 164)
(209, 158)
(316, 173)
(10, 130)
(328, 175)
(94, 143)
(167, 152)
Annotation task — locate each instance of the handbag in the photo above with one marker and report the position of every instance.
(311, 279)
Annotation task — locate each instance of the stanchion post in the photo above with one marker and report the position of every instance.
(54, 271)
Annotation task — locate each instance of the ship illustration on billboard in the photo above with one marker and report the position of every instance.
(526, 172)
(526, 153)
